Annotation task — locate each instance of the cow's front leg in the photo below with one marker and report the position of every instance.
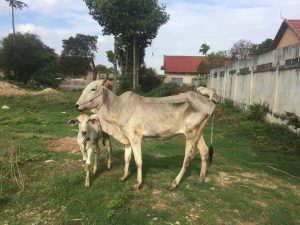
(127, 158)
(87, 167)
(97, 150)
(108, 145)
(137, 152)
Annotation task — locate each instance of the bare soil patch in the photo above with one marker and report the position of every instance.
(11, 89)
(224, 179)
(65, 144)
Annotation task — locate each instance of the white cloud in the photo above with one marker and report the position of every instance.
(219, 23)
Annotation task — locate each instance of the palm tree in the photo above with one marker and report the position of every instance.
(15, 4)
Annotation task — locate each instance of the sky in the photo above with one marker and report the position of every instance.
(219, 23)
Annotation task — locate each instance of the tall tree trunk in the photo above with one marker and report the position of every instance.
(134, 86)
(115, 66)
(13, 21)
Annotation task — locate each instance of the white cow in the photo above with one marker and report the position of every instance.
(130, 117)
(209, 92)
(89, 134)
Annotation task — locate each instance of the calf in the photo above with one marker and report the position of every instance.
(90, 132)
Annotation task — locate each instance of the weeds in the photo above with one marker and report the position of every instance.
(10, 170)
(119, 202)
(257, 112)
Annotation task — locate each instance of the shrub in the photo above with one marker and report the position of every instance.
(125, 84)
(257, 111)
(161, 91)
(149, 79)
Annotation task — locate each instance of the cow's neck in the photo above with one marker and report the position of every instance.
(109, 109)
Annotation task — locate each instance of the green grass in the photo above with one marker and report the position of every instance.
(242, 187)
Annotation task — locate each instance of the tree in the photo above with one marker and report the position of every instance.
(214, 60)
(243, 50)
(26, 56)
(15, 4)
(204, 48)
(102, 68)
(133, 23)
(264, 47)
(78, 53)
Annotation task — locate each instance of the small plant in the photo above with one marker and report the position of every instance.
(10, 170)
(119, 202)
(257, 111)
(293, 120)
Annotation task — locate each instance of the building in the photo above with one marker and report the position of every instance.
(182, 69)
(288, 34)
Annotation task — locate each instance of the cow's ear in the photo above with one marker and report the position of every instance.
(73, 122)
(93, 121)
(104, 83)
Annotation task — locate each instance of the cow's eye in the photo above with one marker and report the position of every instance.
(94, 89)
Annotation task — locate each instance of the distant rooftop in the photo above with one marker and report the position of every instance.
(294, 25)
(182, 64)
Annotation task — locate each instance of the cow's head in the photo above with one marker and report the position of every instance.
(83, 121)
(92, 96)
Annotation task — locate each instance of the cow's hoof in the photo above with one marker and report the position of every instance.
(172, 188)
(136, 187)
(200, 181)
(109, 167)
(87, 186)
(122, 179)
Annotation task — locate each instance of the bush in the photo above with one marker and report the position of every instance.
(28, 60)
(149, 79)
(161, 91)
(257, 112)
(125, 84)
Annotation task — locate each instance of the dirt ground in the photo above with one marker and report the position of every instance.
(11, 89)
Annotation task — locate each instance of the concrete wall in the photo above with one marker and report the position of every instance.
(273, 77)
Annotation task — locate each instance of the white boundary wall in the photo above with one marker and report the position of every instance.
(273, 78)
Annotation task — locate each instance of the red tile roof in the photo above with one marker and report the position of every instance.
(182, 64)
(293, 24)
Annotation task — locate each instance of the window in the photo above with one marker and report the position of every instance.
(177, 80)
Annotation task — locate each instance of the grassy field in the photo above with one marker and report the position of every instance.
(254, 178)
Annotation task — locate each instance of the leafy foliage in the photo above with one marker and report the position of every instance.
(257, 112)
(27, 58)
(264, 47)
(149, 79)
(77, 54)
(214, 60)
(134, 23)
(243, 50)
(204, 48)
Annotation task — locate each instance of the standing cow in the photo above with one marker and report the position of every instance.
(130, 117)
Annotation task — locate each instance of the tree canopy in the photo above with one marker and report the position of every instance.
(134, 24)
(78, 52)
(26, 57)
(204, 48)
(243, 49)
(264, 47)
(214, 60)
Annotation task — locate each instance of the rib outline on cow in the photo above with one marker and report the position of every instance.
(130, 117)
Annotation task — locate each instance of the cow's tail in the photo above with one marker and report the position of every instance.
(211, 148)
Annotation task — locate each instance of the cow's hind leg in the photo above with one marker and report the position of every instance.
(127, 158)
(203, 149)
(97, 151)
(137, 152)
(189, 153)
(108, 145)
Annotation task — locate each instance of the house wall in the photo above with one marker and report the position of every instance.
(288, 38)
(186, 78)
(273, 77)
